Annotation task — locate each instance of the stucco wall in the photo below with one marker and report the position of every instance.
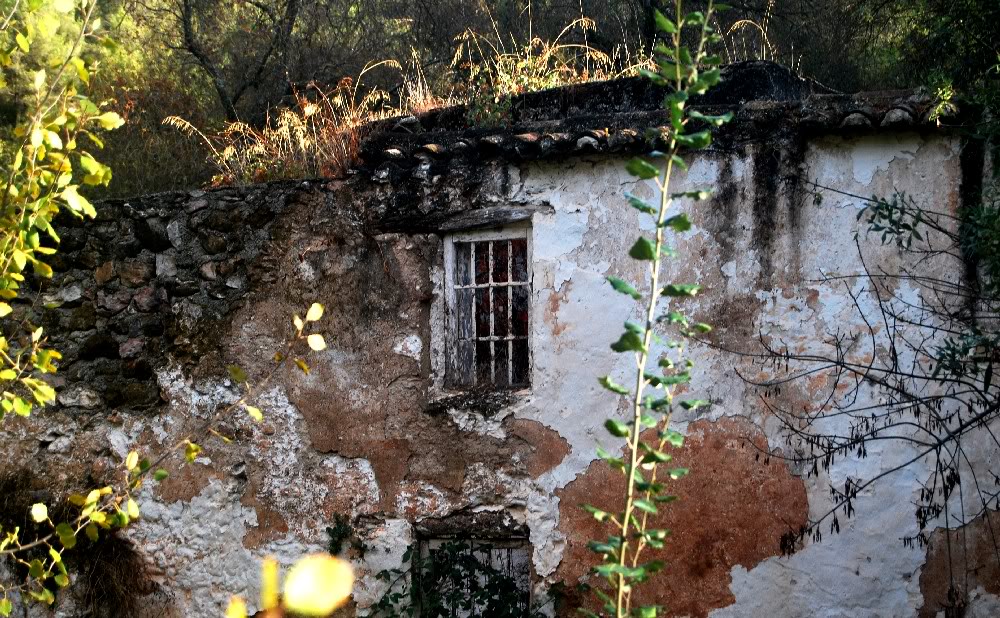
(164, 291)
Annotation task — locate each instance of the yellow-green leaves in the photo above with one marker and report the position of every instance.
(81, 70)
(66, 534)
(315, 313)
(237, 608)
(255, 413)
(237, 374)
(96, 173)
(63, 6)
(269, 584)
(131, 461)
(132, 509)
(77, 202)
(191, 451)
(39, 513)
(316, 342)
(110, 121)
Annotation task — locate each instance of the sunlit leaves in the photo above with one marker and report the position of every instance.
(317, 585)
(315, 313)
(191, 451)
(237, 608)
(316, 342)
(255, 413)
(110, 121)
(39, 513)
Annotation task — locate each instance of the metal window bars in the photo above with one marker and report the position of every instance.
(491, 290)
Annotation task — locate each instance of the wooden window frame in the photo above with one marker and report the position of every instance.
(478, 546)
(452, 372)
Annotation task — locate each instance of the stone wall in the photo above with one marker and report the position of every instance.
(158, 295)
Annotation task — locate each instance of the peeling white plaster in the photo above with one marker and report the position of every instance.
(478, 423)
(385, 544)
(872, 154)
(575, 316)
(198, 546)
(410, 345)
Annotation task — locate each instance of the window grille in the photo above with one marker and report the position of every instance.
(490, 283)
(473, 578)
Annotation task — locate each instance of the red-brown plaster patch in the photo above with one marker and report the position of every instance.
(960, 560)
(271, 526)
(548, 448)
(186, 482)
(732, 510)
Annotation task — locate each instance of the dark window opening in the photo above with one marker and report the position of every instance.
(491, 288)
(472, 578)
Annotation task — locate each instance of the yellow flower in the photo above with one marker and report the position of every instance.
(317, 585)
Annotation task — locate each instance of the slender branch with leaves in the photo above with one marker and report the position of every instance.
(685, 72)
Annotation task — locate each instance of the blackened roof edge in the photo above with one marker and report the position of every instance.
(614, 116)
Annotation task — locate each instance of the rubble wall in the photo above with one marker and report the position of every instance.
(161, 293)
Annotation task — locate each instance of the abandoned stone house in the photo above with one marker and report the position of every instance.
(468, 319)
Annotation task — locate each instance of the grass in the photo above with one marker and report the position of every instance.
(746, 39)
(320, 136)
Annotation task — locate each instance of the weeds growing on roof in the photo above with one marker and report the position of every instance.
(321, 134)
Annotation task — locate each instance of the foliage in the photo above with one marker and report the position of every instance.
(339, 533)
(114, 506)
(55, 133)
(320, 137)
(686, 72)
(489, 72)
(455, 576)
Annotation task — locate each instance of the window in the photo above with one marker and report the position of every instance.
(467, 578)
(489, 281)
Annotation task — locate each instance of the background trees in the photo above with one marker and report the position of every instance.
(213, 62)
